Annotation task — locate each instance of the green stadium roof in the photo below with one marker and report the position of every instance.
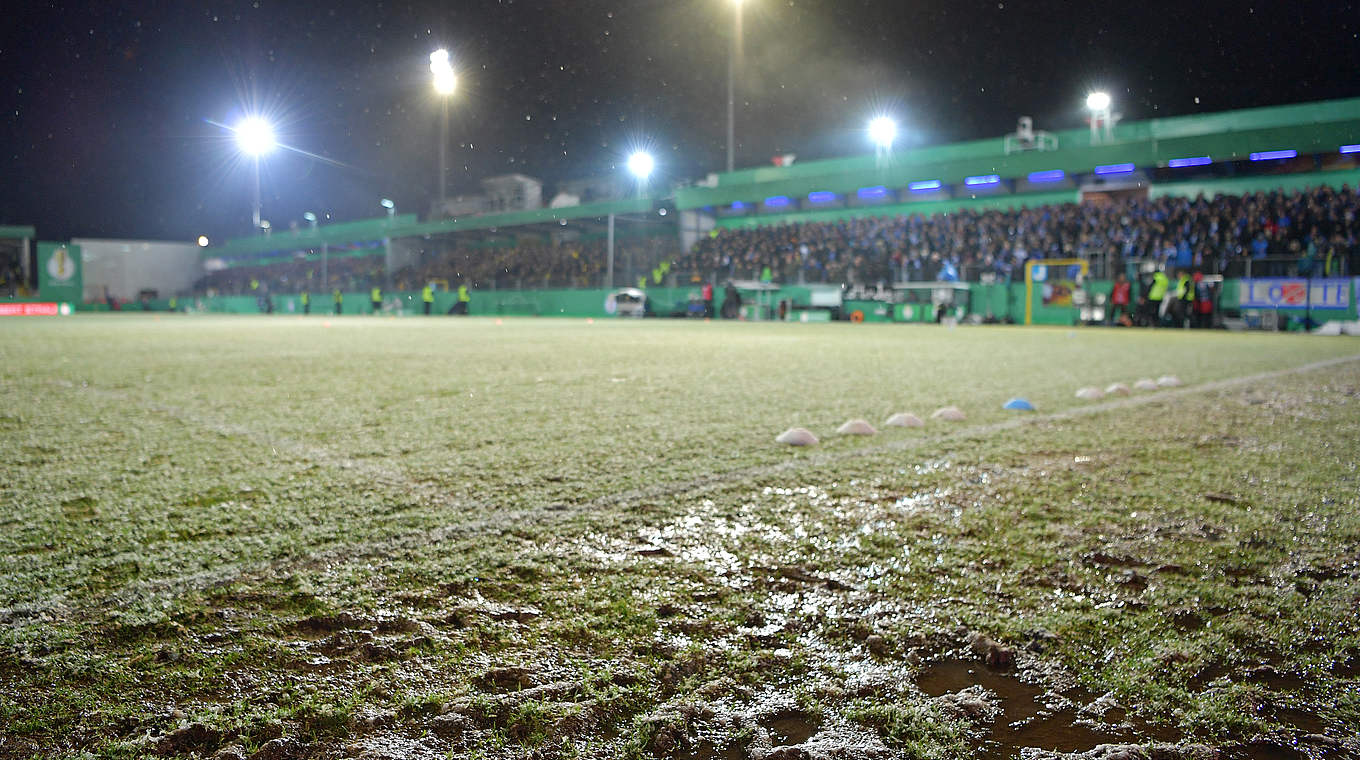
(1229, 135)
(17, 232)
(1308, 128)
(406, 225)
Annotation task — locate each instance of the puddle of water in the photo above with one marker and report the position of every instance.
(1026, 721)
(790, 727)
(1264, 751)
(1301, 719)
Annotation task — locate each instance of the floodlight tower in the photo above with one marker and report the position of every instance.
(732, 61)
(445, 82)
(255, 137)
(641, 164)
(1099, 103)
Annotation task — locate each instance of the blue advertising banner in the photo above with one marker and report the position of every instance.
(1295, 293)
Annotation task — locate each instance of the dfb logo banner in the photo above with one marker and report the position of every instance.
(59, 272)
(1296, 293)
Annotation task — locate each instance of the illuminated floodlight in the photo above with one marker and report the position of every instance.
(871, 193)
(254, 136)
(1098, 101)
(1271, 155)
(202, 241)
(1114, 169)
(925, 184)
(1181, 163)
(777, 201)
(821, 196)
(445, 81)
(641, 164)
(738, 206)
(1350, 148)
(308, 216)
(982, 179)
(1049, 175)
(883, 130)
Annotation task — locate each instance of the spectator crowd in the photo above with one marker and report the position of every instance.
(1319, 229)
(1309, 233)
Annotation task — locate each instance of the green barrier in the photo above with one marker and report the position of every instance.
(997, 300)
(871, 311)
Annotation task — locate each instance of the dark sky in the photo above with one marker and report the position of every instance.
(104, 120)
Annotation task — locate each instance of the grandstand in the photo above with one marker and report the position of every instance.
(1265, 192)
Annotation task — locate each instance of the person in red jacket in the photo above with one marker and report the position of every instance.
(1119, 301)
(1204, 303)
(707, 293)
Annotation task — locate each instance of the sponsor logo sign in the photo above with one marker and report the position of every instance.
(33, 309)
(1295, 293)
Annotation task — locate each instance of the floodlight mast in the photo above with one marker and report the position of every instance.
(255, 137)
(445, 82)
(1099, 103)
(882, 131)
(733, 55)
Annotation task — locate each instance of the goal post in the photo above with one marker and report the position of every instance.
(1051, 272)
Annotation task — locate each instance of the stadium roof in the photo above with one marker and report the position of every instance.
(1229, 135)
(17, 232)
(1225, 136)
(406, 225)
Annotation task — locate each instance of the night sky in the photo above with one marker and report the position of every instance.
(105, 117)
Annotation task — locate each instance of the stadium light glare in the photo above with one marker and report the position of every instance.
(254, 136)
(1048, 175)
(1350, 148)
(641, 164)
(777, 201)
(882, 130)
(872, 193)
(445, 81)
(202, 241)
(821, 196)
(1271, 155)
(982, 179)
(1098, 101)
(925, 184)
(1181, 163)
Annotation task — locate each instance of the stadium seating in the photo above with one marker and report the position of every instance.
(1315, 232)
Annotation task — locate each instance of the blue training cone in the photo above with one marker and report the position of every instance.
(1018, 405)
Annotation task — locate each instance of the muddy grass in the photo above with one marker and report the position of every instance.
(187, 577)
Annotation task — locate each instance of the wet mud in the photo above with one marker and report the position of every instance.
(1029, 716)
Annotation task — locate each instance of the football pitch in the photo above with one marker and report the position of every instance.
(287, 537)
